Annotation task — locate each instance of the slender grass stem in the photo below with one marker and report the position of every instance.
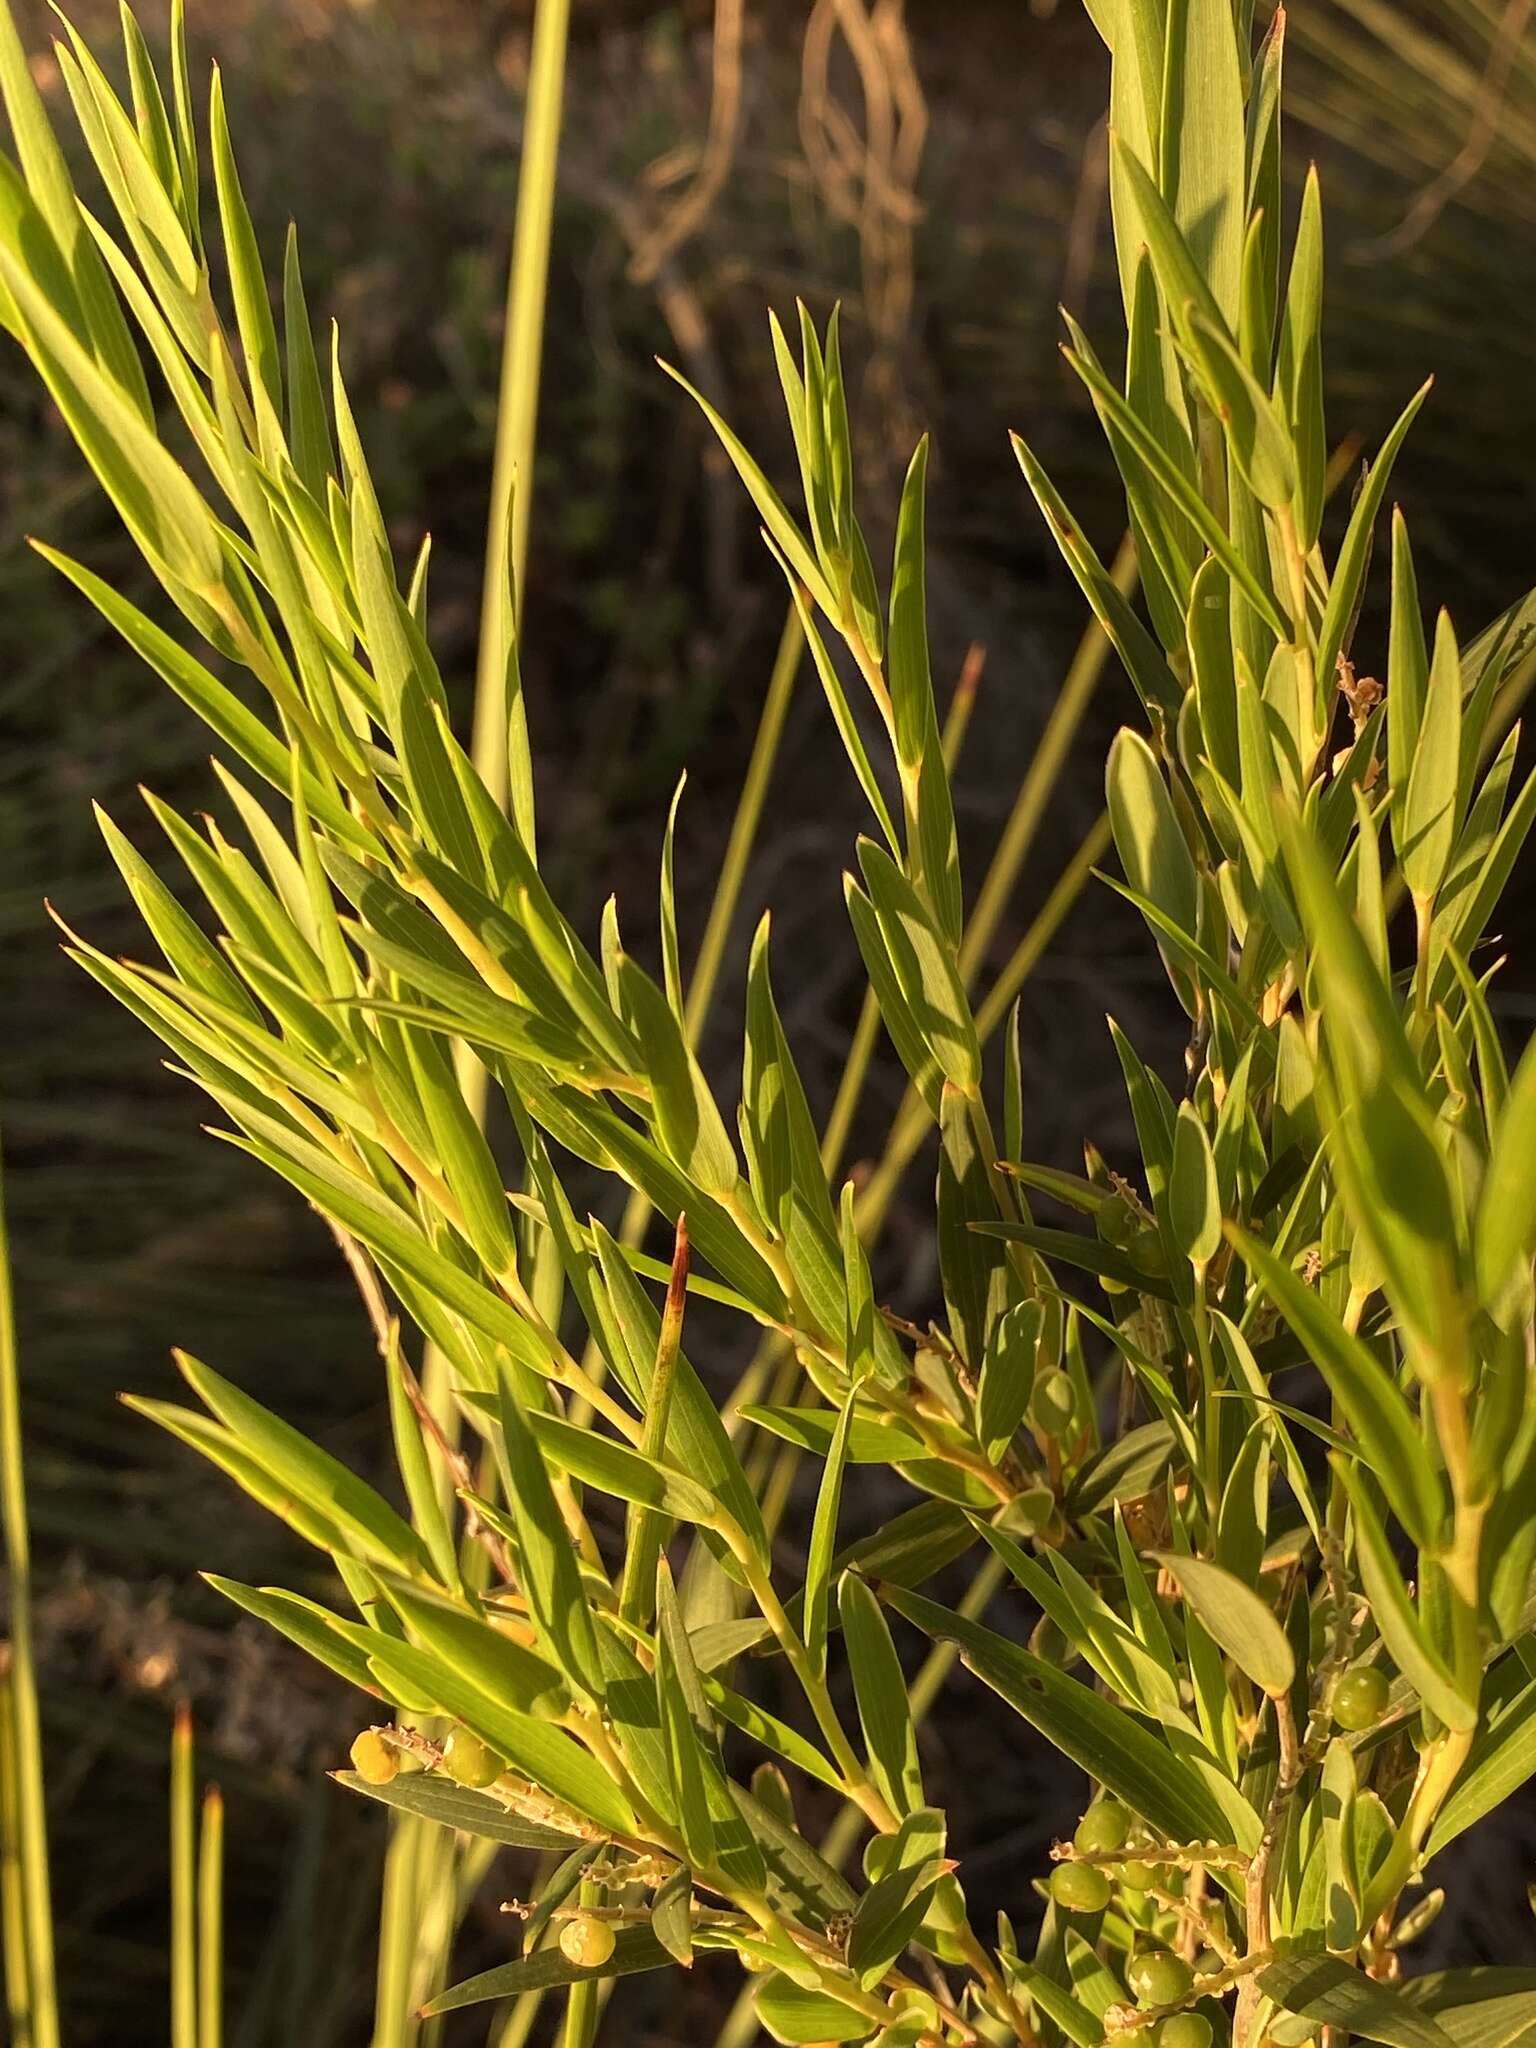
(727, 897)
(1041, 777)
(744, 826)
(210, 1922)
(512, 472)
(183, 1884)
(31, 1989)
(913, 1122)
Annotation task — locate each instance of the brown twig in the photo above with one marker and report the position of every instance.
(1432, 200)
(689, 212)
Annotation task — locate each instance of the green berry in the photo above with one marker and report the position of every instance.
(1137, 1876)
(1185, 2030)
(1360, 1698)
(468, 1762)
(1158, 1977)
(1103, 1829)
(586, 1941)
(375, 1761)
(1053, 1402)
(1079, 1888)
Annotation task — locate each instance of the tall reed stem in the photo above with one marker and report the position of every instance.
(414, 1919)
(518, 402)
(31, 1990)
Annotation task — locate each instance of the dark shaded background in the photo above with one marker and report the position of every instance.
(390, 132)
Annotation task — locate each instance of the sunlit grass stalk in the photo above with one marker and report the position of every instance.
(913, 1124)
(727, 894)
(1042, 777)
(744, 826)
(13, 1913)
(184, 1884)
(31, 1990)
(409, 1921)
(210, 1922)
(512, 474)
(557, 1702)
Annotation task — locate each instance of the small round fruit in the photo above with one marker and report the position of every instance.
(1158, 1977)
(468, 1762)
(1185, 2030)
(1103, 1829)
(586, 1941)
(375, 1761)
(1053, 1401)
(1360, 1698)
(1137, 1876)
(1079, 1888)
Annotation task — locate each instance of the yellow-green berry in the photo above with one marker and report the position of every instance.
(1103, 1829)
(1053, 1401)
(1185, 2030)
(1137, 1876)
(1360, 1698)
(1079, 1888)
(1158, 1977)
(468, 1762)
(375, 1761)
(586, 1941)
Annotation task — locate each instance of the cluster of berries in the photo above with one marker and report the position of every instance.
(1153, 1976)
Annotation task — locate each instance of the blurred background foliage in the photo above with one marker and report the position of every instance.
(937, 168)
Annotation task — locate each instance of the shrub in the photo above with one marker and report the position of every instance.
(1284, 1598)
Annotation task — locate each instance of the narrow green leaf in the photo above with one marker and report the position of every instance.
(799, 2017)
(1332, 1993)
(1194, 1199)
(634, 1949)
(1105, 1741)
(1431, 813)
(550, 1573)
(818, 1565)
(1400, 1627)
(1378, 1415)
(1506, 1212)
(783, 529)
(1241, 1622)
(880, 1688)
(314, 1475)
(1354, 554)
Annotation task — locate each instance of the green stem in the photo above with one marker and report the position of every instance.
(726, 900)
(183, 1884)
(30, 1982)
(1040, 778)
(210, 1923)
(857, 1784)
(749, 812)
(913, 1122)
(518, 402)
